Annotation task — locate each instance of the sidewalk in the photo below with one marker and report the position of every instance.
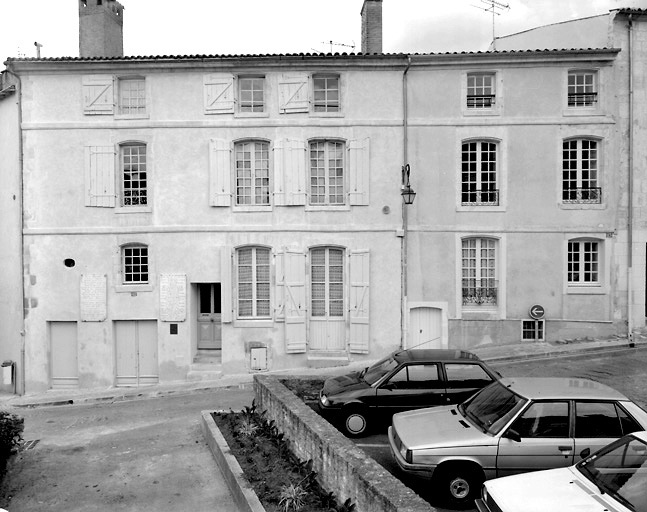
(489, 352)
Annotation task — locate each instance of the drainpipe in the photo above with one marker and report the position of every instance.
(405, 218)
(630, 188)
(21, 370)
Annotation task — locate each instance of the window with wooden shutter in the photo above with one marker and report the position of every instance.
(359, 301)
(100, 176)
(219, 94)
(289, 173)
(327, 173)
(219, 172)
(294, 93)
(98, 95)
(253, 282)
(359, 171)
(295, 301)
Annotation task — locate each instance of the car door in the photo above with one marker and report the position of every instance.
(545, 440)
(598, 424)
(413, 386)
(462, 380)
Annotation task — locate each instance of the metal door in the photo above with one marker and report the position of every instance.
(425, 328)
(64, 355)
(209, 317)
(136, 353)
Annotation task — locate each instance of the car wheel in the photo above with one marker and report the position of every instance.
(460, 484)
(355, 422)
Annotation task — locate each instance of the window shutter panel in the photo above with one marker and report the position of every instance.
(100, 176)
(219, 94)
(359, 165)
(219, 172)
(293, 93)
(359, 301)
(295, 302)
(226, 263)
(290, 173)
(279, 286)
(98, 95)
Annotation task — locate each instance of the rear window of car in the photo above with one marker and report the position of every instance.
(465, 375)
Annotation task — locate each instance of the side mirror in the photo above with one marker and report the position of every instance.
(513, 435)
(585, 453)
(388, 385)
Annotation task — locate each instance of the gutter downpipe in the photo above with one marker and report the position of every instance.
(21, 369)
(630, 188)
(405, 218)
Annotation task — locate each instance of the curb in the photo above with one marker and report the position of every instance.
(581, 352)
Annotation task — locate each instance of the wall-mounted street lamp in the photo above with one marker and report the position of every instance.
(408, 194)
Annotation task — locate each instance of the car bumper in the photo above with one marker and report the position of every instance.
(418, 470)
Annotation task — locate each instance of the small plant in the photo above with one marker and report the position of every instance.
(247, 427)
(11, 428)
(293, 497)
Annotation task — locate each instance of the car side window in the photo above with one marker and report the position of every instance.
(543, 419)
(416, 376)
(466, 375)
(598, 419)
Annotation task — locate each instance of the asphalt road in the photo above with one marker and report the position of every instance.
(624, 370)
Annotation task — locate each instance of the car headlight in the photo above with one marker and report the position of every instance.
(324, 400)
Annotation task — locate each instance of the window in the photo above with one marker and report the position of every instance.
(583, 262)
(582, 88)
(580, 172)
(544, 419)
(134, 264)
(327, 282)
(481, 90)
(253, 267)
(251, 94)
(466, 376)
(479, 272)
(326, 93)
(132, 96)
(417, 376)
(479, 173)
(252, 173)
(602, 419)
(327, 173)
(532, 330)
(134, 178)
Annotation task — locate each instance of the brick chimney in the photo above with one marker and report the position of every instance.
(101, 28)
(372, 26)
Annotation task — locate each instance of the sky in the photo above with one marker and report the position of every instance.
(242, 27)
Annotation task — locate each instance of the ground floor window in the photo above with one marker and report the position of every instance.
(532, 330)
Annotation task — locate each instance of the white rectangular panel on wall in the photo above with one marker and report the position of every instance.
(93, 297)
(173, 297)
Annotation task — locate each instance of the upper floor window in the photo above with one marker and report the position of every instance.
(251, 96)
(327, 173)
(479, 173)
(253, 279)
(479, 279)
(583, 264)
(326, 93)
(131, 96)
(134, 264)
(582, 88)
(252, 165)
(134, 177)
(481, 90)
(580, 171)
(319, 93)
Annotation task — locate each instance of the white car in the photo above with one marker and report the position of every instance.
(613, 479)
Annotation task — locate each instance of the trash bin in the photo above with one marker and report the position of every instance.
(8, 373)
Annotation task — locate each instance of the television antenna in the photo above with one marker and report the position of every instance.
(493, 7)
(331, 43)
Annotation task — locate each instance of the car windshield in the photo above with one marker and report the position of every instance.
(620, 470)
(379, 370)
(492, 407)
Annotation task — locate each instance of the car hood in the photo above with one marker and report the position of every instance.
(438, 427)
(563, 489)
(344, 383)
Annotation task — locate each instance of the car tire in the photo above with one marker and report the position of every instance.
(460, 484)
(355, 422)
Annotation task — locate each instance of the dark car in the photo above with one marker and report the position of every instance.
(404, 380)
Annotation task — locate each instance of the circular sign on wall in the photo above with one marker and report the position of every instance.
(536, 311)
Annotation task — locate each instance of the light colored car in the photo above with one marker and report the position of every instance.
(613, 479)
(514, 425)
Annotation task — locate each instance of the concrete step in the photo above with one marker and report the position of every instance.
(197, 375)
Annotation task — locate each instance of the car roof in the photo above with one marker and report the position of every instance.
(537, 388)
(434, 354)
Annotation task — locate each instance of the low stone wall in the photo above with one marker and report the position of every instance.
(341, 467)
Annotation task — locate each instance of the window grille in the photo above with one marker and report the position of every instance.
(134, 175)
(480, 90)
(253, 282)
(532, 330)
(327, 173)
(135, 264)
(582, 89)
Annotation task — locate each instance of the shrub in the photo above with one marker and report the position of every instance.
(11, 428)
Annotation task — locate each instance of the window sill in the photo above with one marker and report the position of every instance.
(583, 206)
(252, 208)
(133, 288)
(481, 112)
(122, 117)
(328, 208)
(582, 111)
(481, 208)
(250, 322)
(134, 209)
(480, 313)
(251, 114)
(326, 114)
(585, 290)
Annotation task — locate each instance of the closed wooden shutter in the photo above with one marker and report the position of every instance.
(293, 93)
(98, 95)
(359, 301)
(359, 171)
(219, 94)
(279, 286)
(290, 173)
(219, 172)
(295, 301)
(100, 176)
(227, 290)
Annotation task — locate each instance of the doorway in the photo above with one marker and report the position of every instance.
(426, 328)
(209, 317)
(136, 352)
(64, 355)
